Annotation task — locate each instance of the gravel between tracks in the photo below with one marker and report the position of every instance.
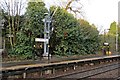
(110, 74)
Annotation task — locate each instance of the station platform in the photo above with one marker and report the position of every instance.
(45, 67)
(52, 60)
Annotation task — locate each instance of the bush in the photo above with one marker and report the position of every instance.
(23, 47)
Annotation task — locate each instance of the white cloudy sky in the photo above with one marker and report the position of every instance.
(99, 12)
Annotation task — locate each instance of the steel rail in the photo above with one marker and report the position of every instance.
(89, 72)
(42, 67)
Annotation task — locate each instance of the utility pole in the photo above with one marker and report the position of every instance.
(117, 27)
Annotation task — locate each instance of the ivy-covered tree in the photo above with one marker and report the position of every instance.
(91, 39)
(71, 36)
(32, 28)
(34, 16)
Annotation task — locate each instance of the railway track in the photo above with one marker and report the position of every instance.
(66, 69)
(89, 72)
(118, 78)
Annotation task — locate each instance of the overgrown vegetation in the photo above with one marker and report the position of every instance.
(74, 36)
(71, 36)
(31, 28)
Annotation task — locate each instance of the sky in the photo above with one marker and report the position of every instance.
(99, 12)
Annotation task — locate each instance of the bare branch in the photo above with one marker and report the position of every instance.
(3, 7)
(68, 4)
(20, 3)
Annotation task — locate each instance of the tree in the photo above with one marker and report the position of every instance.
(1, 22)
(12, 9)
(34, 16)
(71, 37)
(113, 28)
(32, 28)
(111, 36)
(69, 5)
(91, 39)
(64, 24)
